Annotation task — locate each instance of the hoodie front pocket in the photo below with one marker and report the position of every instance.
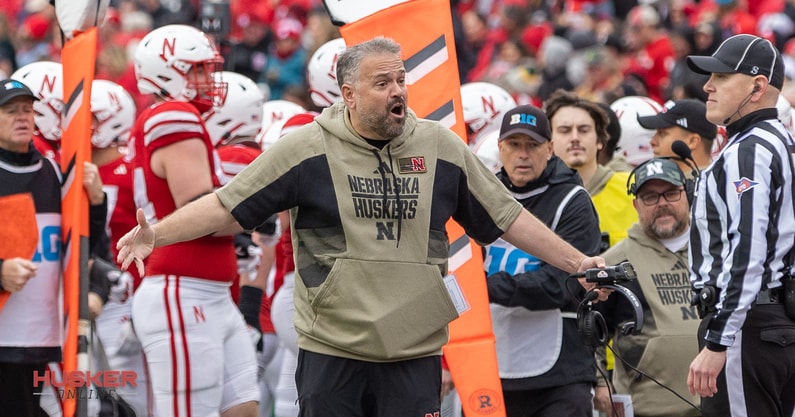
(383, 310)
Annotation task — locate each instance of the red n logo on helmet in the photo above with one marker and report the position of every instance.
(115, 101)
(47, 84)
(332, 71)
(170, 45)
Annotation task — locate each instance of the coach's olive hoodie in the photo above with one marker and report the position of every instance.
(667, 344)
(369, 230)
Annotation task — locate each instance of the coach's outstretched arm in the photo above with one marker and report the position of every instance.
(534, 237)
(196, 219)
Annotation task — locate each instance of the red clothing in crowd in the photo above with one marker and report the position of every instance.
(653, 64)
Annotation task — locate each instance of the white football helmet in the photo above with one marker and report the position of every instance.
(241, 113)
(635, 141)
(285, 126)
(45, 80)
(114, 110)
(274, 113)
(484, 105)
(488, 150)
(321, 73)
(295, 121)
(178, 62)
(784, 108)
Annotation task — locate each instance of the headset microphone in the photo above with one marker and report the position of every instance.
(683, 151)
(684, 154)
(747, 99)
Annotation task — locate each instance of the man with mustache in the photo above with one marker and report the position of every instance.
(579, 132)
(369, 187)
(657, 247)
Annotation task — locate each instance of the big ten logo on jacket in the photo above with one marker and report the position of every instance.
(49, 247)
(502, 256)
(538, 349)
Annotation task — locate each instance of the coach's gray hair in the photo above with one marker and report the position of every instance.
(350, 59)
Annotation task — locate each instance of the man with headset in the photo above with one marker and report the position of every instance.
(741, 248)
(657, 247)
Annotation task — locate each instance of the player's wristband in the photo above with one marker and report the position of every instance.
(249, 305)
(715, 347)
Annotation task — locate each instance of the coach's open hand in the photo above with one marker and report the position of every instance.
(136, 245)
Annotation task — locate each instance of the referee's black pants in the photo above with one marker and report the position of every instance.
(758, 379)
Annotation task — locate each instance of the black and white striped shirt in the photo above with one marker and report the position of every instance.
(743, 220)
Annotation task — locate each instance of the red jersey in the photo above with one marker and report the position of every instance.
(236, 157)
(47, 148)
(233, 159)
(160, 125)
(653, 64)
(284, 264)
(117, 183)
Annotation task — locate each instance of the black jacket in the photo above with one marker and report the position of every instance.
(559, 200)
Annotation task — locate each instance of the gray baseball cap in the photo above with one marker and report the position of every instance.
(657, 169)
(10, 89)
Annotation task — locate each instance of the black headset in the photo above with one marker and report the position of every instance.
(690, 183)
(591, 324)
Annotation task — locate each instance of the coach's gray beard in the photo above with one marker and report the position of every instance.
(384, 124)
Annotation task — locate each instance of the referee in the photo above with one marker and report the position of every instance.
(741, 245)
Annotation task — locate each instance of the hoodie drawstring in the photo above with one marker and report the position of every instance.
(382, 168)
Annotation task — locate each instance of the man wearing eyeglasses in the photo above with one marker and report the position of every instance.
(657, 247)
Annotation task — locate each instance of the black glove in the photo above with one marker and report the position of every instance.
(244, 247)
(249, 305)
(100, 277)
(269, 231)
